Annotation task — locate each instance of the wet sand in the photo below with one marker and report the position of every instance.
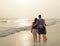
(24, 38)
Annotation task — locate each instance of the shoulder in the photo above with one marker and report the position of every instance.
(43, 19)
(33, 22)
(37, 19)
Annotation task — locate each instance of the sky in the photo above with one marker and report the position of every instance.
(29, 8)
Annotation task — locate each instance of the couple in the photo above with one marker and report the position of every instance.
(39, 26)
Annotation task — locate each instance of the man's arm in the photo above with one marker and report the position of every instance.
(44, 22)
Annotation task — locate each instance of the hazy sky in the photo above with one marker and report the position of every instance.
(29, 8)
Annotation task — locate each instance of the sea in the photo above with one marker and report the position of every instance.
(11, 26)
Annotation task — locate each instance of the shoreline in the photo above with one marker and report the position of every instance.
(25, 38)
(7, 30)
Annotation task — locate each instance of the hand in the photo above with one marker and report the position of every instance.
(31, 31)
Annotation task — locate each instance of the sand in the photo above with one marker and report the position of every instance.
(24, 38)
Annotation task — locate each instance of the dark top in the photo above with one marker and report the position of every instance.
(34, 27)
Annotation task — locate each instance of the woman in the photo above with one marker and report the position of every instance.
(34, 29)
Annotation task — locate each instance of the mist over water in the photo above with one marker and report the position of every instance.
(11, 26)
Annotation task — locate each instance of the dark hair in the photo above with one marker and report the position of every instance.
(35, 19)
(39, 16)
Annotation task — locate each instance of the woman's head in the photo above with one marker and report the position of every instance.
(35, 19)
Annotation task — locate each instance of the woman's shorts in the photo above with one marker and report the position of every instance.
(42, 30)
(34, 31)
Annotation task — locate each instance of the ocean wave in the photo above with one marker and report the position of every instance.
(13, 26)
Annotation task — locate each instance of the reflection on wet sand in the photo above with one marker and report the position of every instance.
(42, 43)
(45, 43)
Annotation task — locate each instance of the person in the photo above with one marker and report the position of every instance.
(41, 28)
(34, 29)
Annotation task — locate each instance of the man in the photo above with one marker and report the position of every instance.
(41, 28)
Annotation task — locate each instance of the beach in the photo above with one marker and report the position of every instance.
(16, 17)
(17, 37)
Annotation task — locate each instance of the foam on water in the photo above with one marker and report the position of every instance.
(8, 27)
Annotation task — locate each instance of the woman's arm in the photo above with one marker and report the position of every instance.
(34, 24)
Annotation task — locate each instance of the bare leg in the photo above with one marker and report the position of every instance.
(39, 37)
(35, 37)
(44, 37)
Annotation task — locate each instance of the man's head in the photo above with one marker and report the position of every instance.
(39, 16)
